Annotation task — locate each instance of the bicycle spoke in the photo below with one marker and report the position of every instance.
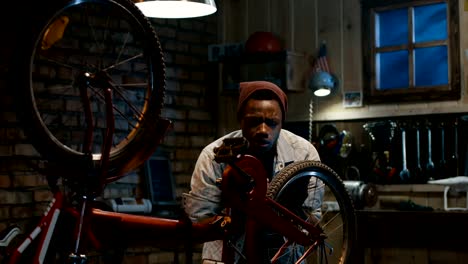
(118, 63)
(331, 220)
(68, 65)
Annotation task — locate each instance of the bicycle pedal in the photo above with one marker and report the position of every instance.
(77, 259)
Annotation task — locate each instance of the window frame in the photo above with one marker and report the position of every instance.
(451, 91)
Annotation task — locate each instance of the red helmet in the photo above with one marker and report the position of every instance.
(262, 41)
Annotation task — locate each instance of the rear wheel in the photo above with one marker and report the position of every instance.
(316, 193)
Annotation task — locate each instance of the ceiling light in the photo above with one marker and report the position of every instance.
(176, 8)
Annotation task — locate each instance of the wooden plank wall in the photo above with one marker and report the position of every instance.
(302, 25)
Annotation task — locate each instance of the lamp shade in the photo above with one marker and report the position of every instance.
(322, 83)
(176, 8)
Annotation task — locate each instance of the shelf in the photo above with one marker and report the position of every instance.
(255, 58)
(286, 69)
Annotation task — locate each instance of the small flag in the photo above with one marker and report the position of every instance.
(321, 62)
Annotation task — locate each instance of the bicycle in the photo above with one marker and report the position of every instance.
(328, 238)
(106, 122)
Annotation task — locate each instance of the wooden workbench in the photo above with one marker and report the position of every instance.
(392, 236)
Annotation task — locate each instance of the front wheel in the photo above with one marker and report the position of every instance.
(317, 194)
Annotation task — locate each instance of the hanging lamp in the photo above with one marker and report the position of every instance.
(322, 83)
(176, 8)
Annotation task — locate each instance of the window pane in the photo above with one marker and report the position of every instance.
(430, 22)
(431, 67)
(392, 70)
(391, 27)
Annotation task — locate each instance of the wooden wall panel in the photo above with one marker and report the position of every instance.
(329, 26)
(304, 40)
(258, 12)
(352, 51)
(329, 23)
(234, 21)
(303, 26)
(280, 21)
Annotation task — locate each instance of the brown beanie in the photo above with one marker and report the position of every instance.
(247, 89)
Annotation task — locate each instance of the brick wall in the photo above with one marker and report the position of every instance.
(191, 91)
(190, 104)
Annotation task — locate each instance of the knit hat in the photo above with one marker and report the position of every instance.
(247, 89)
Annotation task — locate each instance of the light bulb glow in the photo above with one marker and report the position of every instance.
(176, 9)
(323, 91)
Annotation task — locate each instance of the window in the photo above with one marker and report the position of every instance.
(411, 50)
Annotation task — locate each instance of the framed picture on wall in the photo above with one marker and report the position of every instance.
(352, 99)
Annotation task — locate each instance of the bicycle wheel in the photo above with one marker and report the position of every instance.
(100, 44)
(315, 192)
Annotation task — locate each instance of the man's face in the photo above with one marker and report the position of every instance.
(261, 124)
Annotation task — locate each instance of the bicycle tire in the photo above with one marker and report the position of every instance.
(68, 39)
(335, 205)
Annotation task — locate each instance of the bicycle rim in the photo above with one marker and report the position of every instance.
(314, 192)
(70, 39)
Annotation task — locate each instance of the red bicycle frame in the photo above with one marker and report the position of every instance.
(243, 185)
(99, 229)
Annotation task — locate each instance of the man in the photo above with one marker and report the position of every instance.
(261, 113)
